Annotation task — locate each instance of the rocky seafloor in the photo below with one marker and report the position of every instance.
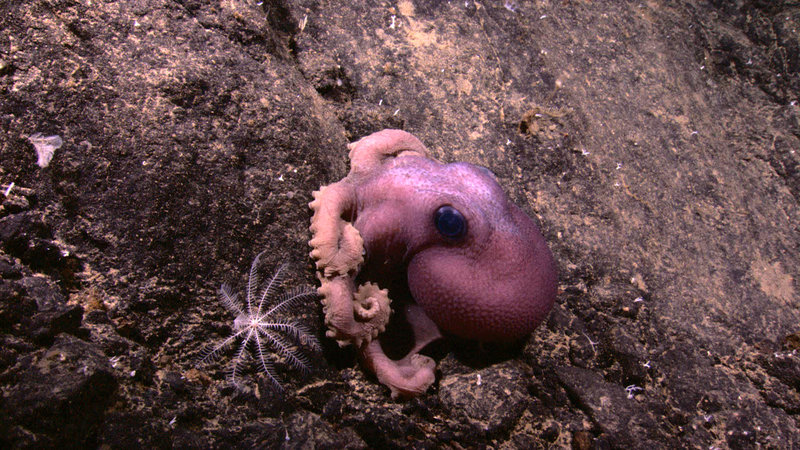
(657, 144)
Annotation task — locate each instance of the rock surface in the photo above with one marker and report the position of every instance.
(657, 144)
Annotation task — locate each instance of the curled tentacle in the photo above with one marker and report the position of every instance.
(371, 151)
(407, 377)
(354, 317)
(475, 265)
(336, 245)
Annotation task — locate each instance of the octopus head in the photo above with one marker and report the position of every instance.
(485, 271)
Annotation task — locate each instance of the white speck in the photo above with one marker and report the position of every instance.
(280, 178)
(508, 141)
(174, 419)
(380, 102)
(638, 300)
(616, 184)
(702, 67)
(303, 23)
(393, 25)
(396, 111)
(45, 147)
(543, 51)
(591, 342)
(136, 23)
(647, 364)
(632, 390)
(543, 16)
(694, 133)
(286, 435)
(133, 373)
(708, 417)
(64, 253)
(749, 61)
(584, 152)
(479, 380)
(619, 166)
(8, 190)
(510, 5)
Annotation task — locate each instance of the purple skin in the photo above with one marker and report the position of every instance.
(496, 282)
(473, 263)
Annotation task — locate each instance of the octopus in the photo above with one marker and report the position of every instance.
(444, 238)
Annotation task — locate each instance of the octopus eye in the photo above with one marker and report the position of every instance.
(450, 222)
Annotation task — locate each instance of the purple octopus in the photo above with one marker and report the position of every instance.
(473, 264)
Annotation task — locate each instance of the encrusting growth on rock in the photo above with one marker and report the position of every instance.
(265, 333)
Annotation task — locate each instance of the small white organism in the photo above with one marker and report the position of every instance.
(266, 334)
(45, 147)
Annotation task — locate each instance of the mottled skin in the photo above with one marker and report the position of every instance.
(494, 281)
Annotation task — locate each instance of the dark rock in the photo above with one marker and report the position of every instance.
(14, 305)
(629, 354)
(9, 269)
(489, 400)
(17, 230)
(792, 341)
(46, 294)
(616, 411)
(684, 366)
(132, 430)
(44, 326)
(63, 392)
(96, 317)
(784, 366)
(27, 237)
(551, 433)
(724, 396)
(740, 432)
(333, 84)
(778, 395)
(14, 204)
(129, 359)
(10, 350)
(306, 429)
(257, 434)
(655, 142)
(316, 396)
(378, 423)
(175, 382)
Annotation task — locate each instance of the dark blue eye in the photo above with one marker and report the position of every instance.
(450, 222)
